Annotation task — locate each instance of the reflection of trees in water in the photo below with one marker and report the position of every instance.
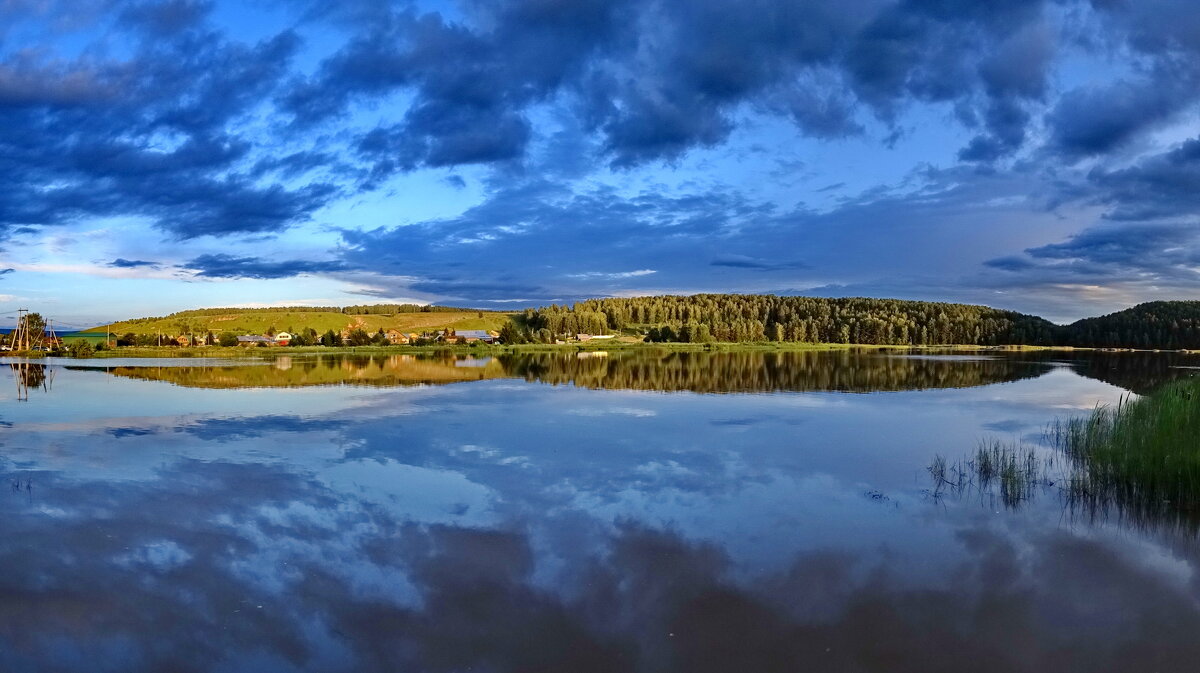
(666, 370)
(637, 370)
(1136, 371)
(30, 376)
(296, 372)
(751, 371)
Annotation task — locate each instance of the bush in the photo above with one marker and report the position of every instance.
(80, 349)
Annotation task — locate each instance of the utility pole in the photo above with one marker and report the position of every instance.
(21, 375)
(21, 336)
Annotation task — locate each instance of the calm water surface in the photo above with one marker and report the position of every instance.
(569, 512)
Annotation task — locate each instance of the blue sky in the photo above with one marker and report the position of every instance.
(160, 155)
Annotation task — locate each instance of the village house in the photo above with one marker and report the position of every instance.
(251, 340)
(396, 337)
(467, 336)
(283, 339)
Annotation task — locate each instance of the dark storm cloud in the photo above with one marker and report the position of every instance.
(149, 135)
(230, 266)
(1096, 120)
(150, 111)
(157, 134)
(297, 164)
(657, 79)
(165, 18)
(1159, 186)
(472, 85)
(1163, 38)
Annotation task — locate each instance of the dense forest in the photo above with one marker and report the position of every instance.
(1158, 324)
(1166, 325)
(747, 318)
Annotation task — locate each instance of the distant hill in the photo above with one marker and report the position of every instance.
(1156, 324)
(292, 319)
(1165, 325)
(722, 318)
(749, 318)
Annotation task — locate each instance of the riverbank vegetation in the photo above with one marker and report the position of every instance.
(1138, 460)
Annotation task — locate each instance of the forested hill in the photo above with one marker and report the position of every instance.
(744, 318)
(1156, 324)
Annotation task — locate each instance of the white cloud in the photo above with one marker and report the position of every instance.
(600, 275)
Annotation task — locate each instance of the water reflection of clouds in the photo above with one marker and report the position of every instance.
(634, 412)
(494, 529)
(292, 576)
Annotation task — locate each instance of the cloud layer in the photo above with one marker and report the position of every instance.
(720, 144)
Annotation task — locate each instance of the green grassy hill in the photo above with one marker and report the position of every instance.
(257, 321)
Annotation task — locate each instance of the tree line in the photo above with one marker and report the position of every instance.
(1167, 325)
(754, 318)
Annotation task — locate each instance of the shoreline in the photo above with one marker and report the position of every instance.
(233, 352)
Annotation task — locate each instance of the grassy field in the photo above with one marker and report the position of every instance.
(258, 322)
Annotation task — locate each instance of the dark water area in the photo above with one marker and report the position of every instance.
(630, 511)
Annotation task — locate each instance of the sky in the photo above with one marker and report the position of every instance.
(1032, 155)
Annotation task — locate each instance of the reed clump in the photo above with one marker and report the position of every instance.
(1015, 471)
(1142, 455)
(1138, 460)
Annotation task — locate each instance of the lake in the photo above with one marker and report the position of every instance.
(623, 511)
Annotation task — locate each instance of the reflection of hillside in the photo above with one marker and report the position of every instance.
(703, 372)
(736, 372)
(287, 372)
(1140, 371)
